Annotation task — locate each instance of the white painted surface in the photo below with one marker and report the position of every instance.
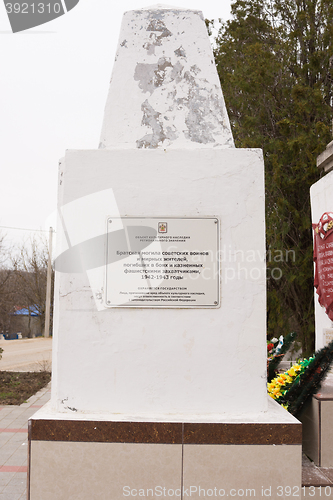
(321, 201)
(274, 414)
(164, 90)
(157, 361)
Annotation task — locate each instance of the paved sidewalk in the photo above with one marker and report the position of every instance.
(14, 444)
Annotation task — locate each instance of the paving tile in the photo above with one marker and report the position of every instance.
(13, 430)
(7, 416)
(19, 478)
(14, 445)
(8, 449)
(6, 423)
(17, 459)
(18, 436)
(15, 492)
(4, 438)
(5, 412)
(5, 477)
(313, 475)
(10, 496)
(328, 472)
(17, 488)
(21, 424)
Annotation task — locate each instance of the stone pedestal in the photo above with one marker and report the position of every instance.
(81, 457)
(163, 361)
(317, 421)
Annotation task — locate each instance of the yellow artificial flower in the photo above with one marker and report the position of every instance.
(293, 371)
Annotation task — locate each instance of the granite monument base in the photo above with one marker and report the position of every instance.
(89, 457)
(317, 425)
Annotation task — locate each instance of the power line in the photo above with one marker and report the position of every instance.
(25, 229)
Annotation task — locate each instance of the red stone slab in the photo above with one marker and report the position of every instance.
(13, 430)
(13, 468)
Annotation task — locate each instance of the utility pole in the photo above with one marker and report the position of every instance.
(48, 287)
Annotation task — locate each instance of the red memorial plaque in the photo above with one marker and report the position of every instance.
(323, 258)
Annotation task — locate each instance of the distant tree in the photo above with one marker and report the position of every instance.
(275, 62)
(8, 289)
(30, 267)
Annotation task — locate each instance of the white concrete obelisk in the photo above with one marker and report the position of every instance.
(165, 92)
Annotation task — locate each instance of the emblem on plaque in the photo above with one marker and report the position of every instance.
(162, 227)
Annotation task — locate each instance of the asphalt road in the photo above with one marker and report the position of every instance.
(26, 355)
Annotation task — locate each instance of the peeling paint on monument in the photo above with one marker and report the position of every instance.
(151, 119)
(156, 25)
(176, 98)
(184, 92)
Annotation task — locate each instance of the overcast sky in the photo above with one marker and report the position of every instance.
(54, 82)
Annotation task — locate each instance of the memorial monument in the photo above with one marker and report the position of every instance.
(317, 417)
(321, 207)
(159, 350)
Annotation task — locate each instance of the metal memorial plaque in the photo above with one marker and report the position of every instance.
(162, 262)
